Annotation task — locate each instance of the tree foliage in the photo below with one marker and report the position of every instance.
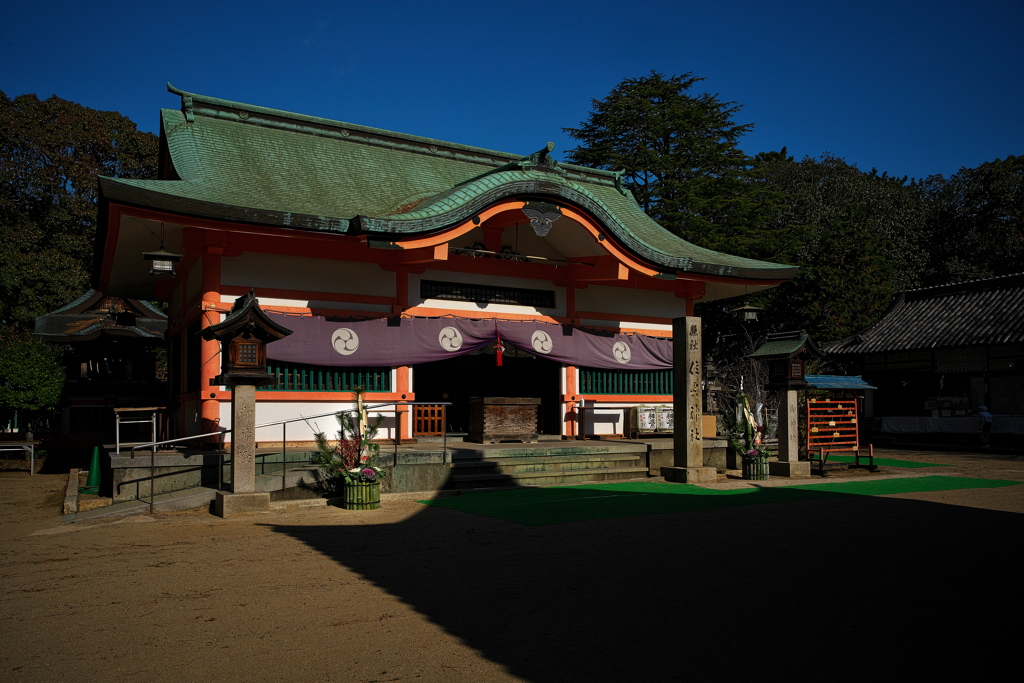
(31, 376)
(51, 153)
(976, 222)
(678, 151)
(857, 236)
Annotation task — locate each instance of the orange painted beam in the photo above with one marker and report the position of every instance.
(438, 252)
(626, 398)
(598, 269)
(234, 290)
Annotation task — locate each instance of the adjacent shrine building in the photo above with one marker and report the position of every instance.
(417, 269)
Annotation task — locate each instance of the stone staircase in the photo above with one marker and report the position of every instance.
(199, 496)
(465, 466)
(547, 465)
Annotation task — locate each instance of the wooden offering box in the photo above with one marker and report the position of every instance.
(497, 419)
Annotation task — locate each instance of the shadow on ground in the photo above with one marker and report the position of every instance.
(840, 588)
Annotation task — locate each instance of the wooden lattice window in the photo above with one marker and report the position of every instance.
(302, 377)
(637, 382)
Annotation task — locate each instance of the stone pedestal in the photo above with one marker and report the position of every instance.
(226, 504)
(243, 438)
(789, 464)
(243, 496)
(789, 469)
(689, 475)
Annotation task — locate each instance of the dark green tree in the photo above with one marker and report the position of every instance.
(857, 236)
(31, 376)
(975, 222)
(678, 152)
(51, 153)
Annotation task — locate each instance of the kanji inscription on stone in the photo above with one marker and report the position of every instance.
(686, 334)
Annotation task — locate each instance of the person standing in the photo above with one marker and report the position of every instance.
(986, 425)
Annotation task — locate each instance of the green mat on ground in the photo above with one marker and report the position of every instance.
(561, 504)
(885, 462)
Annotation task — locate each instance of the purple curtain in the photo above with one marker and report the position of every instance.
(408, 341)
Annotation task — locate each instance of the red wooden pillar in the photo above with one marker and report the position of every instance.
(403, 389)
(570, 402)
(209, 301)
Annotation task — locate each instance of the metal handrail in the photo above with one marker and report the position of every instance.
(284, 441)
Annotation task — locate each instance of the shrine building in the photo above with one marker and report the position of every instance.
(420, 270)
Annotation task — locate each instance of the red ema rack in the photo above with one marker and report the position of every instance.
(832, 426)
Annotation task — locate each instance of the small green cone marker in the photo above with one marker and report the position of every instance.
(92, 484)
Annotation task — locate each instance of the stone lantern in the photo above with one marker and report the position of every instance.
(243, 336)
(786, 354)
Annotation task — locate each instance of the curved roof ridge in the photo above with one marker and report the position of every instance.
(463, 200)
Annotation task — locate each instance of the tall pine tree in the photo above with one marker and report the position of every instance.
(679, 151)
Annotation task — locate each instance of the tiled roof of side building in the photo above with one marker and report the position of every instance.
(94, 314)
(239, 162)
(977, 313)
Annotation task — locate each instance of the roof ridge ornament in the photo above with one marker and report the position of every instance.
(619, 185)
(541, 160)
(186, 102)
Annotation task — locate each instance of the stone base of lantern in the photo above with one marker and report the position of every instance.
(795, 470)
(689, 475)
(227, 504)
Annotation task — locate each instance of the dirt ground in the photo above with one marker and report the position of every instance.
(917, 585)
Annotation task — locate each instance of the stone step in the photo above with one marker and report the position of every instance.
(294, 477)
(541, 450)
(547, 478)
(566, 463)
(187, 499)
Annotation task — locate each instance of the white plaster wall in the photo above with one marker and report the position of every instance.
(626, 302)
(270, 302)
(275, 271)
(303, 430)
(620, 324)
(474, 279)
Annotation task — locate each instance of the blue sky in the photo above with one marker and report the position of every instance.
(911, 88)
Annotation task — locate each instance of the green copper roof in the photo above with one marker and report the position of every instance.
(786, 345)
(244, 163)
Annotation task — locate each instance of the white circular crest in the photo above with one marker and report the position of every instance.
(541, 342)
(450, 339)
(621, 352)
(345, 341)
